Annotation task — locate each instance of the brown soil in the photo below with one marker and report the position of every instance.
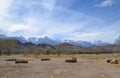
(57, 68)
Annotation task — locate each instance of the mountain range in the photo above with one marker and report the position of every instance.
(47, 40)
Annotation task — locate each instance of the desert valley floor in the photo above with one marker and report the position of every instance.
(57, 68)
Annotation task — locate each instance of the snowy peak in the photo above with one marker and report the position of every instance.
(100, 43)
(3, 36)
(79, 43)
(33, 40)
(21, 39)
(47, 40)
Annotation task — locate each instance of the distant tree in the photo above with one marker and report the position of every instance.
(59, 49)
(1, 45)
(37, 51)
(117, 43)
(9, 44)
(25, 51)
(34, 49)
(48, 50)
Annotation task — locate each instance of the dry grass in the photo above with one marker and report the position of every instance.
(84, 56)
(54, 56)
(88, 66)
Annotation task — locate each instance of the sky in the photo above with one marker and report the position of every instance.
(86, 20)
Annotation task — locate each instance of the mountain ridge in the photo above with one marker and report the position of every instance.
(47, 40)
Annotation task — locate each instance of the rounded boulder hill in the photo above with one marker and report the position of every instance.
(108, 60)
(45, 59)
(21, 61)
(73, 60)
(114, 61)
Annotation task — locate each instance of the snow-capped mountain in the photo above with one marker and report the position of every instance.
(3, 36)
(33, 40)
(47, 40)
(79, 43)
(100, 43)
(21, 39)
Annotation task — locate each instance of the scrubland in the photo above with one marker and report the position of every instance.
(88, 66)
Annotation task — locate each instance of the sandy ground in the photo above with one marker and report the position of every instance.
(57, 68)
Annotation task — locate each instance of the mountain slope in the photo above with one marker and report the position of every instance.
(47, 40)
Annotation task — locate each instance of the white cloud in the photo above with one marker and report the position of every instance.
(49, 4)
(4, 7)
(44, 18)
(88, 36)
(105, 3)
(56, 20)
(91, 34)
(48, 27)
(18, 27)
(39, 4)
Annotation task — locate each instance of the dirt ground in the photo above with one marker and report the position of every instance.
(57, 68)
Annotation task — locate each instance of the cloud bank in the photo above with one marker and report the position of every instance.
(41, 18)
(105, 3)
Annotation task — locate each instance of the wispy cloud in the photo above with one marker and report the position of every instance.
(87, 36)
(4, 7)
(48, 4)
(44, 22)
(46, 18)
(105, 3)
(18, 27)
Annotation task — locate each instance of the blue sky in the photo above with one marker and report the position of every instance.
(86, 20)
